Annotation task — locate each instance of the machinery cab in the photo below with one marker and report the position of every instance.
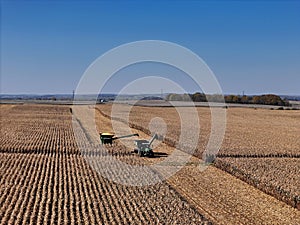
(144, 147)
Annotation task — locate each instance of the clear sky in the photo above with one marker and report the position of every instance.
(251, 46)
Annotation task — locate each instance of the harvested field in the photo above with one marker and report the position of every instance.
(50, 185)
(38, 128)
(225, 199)
(278, 177)
(262, 133)
(262, 136)
(62, 189)
(233, 197)
(272, 132)
(54, 184)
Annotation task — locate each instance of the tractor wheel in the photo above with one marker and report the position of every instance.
(141, 153)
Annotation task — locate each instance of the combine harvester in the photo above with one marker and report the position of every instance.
(143, 147)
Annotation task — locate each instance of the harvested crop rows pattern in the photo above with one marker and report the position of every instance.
(278, 177)
(218, 195)
(253, 137)
(250, 132)
(54, 186)
(39, 129)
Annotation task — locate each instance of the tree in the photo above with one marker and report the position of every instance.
(245, 99)
(199, 97)
(269, 99)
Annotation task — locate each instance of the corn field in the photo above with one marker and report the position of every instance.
(46, 179)
(260, 147)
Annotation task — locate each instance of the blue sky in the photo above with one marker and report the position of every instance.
(250, 46)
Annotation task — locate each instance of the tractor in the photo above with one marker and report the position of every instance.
(143, 147)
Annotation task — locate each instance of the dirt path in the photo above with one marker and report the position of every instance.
(217, 195)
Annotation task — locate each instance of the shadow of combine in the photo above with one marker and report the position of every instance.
(156, 154)
(160, 154)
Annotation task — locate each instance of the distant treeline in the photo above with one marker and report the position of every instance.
(269, 99)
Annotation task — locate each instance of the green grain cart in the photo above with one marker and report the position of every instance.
(108, 138)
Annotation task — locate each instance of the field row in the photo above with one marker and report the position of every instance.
(31, 129)
(278, 177)
(38, 129)
(63, 189)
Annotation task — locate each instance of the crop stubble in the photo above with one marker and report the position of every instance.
(52, 183)
(49, 184)
(221, 197)
(260, 147)
(248, 131)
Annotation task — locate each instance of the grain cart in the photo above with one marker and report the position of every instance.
(144, 146)
(108, 138)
